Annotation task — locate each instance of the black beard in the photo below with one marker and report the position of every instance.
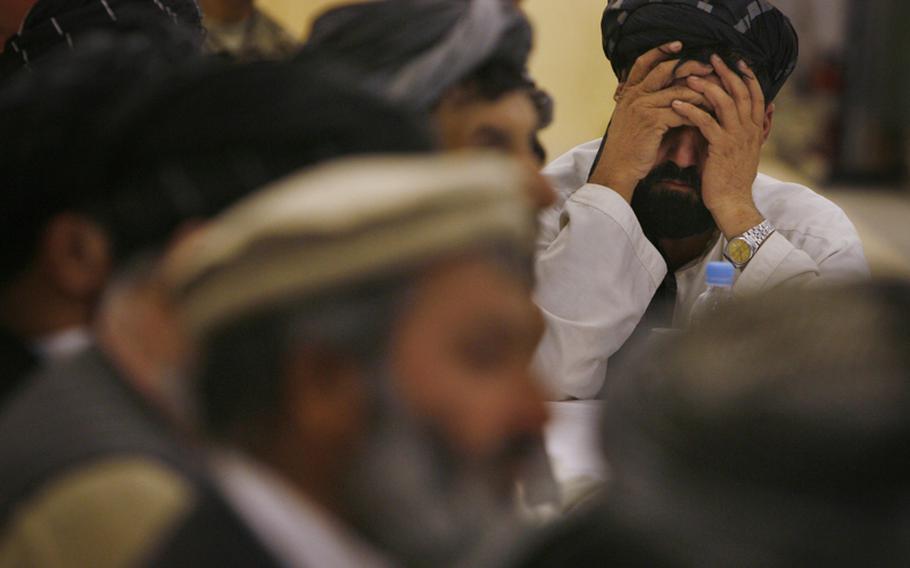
(666, 213)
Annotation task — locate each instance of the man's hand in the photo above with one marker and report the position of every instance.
(643, 115)
(735, 139)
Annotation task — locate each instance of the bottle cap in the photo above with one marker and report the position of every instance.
(720, 274)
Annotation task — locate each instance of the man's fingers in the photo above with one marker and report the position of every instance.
(758, 96)
(673, 119)
(647, 61)
(692, 67)
(664, 98)
(660, 77)
(720, 100)
(705, 123)
(735, 86)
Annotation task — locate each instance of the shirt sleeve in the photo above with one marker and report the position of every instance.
(596, 275)
(780, 263)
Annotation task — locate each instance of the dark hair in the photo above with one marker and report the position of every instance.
(54, 157)
(210, 136)
(496, 78)
(192, 143)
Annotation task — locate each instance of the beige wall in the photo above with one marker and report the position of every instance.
(567, 61)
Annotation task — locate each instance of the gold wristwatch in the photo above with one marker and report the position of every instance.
(740, 250)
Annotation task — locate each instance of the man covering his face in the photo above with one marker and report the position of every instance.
(674, 184)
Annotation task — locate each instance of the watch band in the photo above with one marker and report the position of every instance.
(757, 235)
(740, 250)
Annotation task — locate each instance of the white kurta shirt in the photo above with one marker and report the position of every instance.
(597, 273)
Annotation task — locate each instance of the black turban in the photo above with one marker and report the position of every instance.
(752, 30)
(412, 51)
(52, 25)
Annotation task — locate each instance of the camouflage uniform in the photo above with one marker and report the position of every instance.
(258, 37)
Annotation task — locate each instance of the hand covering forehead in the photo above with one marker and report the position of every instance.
(412, 51)
(750, 29)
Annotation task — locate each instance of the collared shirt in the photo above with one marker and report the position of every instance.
(293, 528)
(597, 272)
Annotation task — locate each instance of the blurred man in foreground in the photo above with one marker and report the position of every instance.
(367, 394)
(91, 467)
(774, 435)
(462, 62)
(674, 184)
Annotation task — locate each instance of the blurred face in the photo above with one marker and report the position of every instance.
(461, 360)
(455, 412)
(508, 124)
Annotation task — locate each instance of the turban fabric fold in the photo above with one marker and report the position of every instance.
(753, 30)
(412, 51)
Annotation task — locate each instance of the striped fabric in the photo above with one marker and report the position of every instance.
(752, 29)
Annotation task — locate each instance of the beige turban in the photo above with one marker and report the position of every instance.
(344, 222)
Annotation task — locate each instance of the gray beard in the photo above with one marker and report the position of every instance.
(407, 494)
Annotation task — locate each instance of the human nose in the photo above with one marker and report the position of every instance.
(533, 412)
(685, 147)
(538, 187)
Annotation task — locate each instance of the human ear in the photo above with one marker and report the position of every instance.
(325, 394)
(76, 255)
(769, 120)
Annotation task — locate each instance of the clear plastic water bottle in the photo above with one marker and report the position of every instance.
(719, 276)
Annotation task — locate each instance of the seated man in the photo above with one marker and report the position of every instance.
(367, 331)
(463, 62)
(675, 185)
(54, 262)
(91, 467)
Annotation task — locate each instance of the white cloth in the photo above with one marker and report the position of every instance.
(63, 343)
(572, 439)
(293, 529)
(597, 273)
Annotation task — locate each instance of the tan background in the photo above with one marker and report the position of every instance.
(567, 61)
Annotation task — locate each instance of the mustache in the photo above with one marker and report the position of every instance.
(668, 171)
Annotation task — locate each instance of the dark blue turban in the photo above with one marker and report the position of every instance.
(752, 30)
(412, 51)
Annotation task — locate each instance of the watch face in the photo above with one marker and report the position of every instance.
(739, 251)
